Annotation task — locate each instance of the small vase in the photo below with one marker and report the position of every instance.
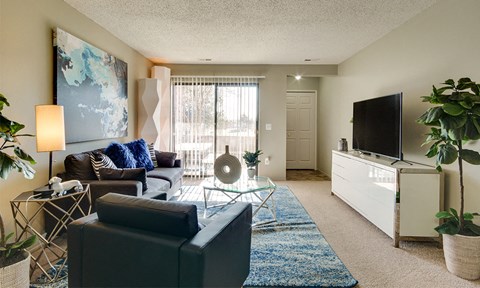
(251, 172)
(227, 168)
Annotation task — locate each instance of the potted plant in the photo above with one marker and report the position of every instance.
(251, 160)
(14, 260)
(455, 121)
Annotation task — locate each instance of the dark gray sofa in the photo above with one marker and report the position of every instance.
(162, 183)
(136, 242)
(161, 179)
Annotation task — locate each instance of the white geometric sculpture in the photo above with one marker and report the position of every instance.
(149, 107)
(163, 74)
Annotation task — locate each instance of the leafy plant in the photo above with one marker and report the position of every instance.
(19, 161)
(9, 134)
(455, 122)
(251, 158)
(9, 252)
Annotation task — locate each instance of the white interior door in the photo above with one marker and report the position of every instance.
(301, 130)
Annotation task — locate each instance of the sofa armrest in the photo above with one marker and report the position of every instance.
(75, 249)
(98, 188)
(94, 258)
(207, 260)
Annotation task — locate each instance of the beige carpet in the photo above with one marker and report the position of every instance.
(367, 251)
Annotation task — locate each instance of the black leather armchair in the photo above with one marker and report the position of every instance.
(138, 242)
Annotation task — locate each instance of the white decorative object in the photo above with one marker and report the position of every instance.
(59, 188)
(149, 106)
(462, 255)
(16, 275)
(163, 74)
(227, 168)
(400, 199)
(251, 172)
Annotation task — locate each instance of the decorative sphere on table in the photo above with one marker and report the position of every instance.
(227, 168)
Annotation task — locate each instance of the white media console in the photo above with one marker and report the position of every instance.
(400, 199)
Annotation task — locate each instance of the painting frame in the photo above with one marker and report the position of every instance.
(92, 86)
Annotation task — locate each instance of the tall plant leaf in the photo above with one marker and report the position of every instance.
(6, 165)
(472, 157)
(453, 109)
(452, 122)
(23, 155)
(447, 154)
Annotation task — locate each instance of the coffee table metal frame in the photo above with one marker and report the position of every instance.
(24, 225)
(240, 188)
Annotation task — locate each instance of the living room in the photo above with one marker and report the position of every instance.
(437, 44)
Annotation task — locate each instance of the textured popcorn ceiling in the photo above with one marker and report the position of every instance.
(249, 31)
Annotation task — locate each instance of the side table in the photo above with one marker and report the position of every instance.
(25, 216)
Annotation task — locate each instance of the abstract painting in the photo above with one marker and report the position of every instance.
(92, 86)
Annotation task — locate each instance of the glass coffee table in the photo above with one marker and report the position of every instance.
(258, 191)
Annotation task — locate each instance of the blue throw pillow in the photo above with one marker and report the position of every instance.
(139, 149)
(120, 155)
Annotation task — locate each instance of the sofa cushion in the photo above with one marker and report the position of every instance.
(153, 157)
(157, 185)
(141, 154)
(138, 174)
(165, 159)
(172, 175)
(79, 167)
(100, 160)
(121, 155)
(172, 218)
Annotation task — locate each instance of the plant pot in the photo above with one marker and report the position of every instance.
(16, 275)
(462, 255)
(251, 172)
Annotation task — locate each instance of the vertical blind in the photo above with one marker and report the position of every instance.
(209, 113)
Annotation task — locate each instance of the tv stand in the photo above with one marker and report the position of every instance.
(402, 201)
(404, 161)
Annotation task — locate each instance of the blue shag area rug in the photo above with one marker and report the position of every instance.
(289, 253)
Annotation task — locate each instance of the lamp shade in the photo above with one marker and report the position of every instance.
(50, 128)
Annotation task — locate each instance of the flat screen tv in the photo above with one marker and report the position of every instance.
(377, 126)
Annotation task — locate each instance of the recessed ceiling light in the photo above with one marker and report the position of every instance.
(298, 77)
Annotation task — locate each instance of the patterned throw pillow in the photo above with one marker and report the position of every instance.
(100, 160)
(141, 154)
(151, 150)
(120, 155)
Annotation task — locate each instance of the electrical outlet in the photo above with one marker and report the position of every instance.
(267, 161)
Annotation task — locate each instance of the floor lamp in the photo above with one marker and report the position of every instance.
(50, 134)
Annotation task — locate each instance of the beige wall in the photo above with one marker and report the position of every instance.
(272, 103)
(26, 76)
(438, 44)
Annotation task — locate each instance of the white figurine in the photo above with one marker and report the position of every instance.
(60, 188)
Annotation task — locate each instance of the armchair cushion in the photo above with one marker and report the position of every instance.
(138, 174)
(170, 218)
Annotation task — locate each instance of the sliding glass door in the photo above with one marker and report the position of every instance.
(210, 113)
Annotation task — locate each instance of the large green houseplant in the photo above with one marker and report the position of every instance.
(455, 122)
(12, 252)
